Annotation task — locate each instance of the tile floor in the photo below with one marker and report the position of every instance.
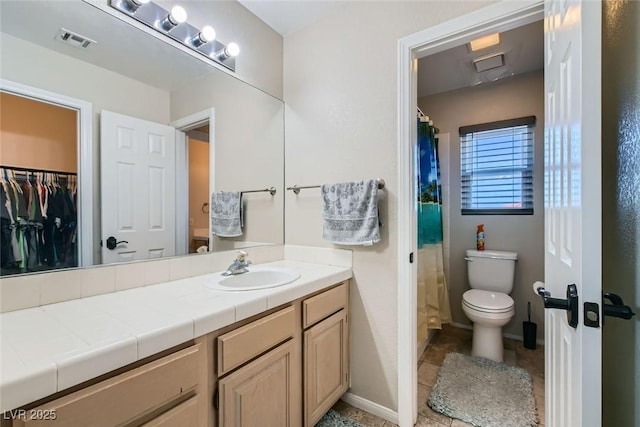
(452, 339)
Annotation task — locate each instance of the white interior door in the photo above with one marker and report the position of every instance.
(572, 209)
(138, 188)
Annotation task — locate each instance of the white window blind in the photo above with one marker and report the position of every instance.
(496, 164)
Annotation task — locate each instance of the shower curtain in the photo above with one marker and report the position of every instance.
(433, 295)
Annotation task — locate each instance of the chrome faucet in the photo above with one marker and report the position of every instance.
(239, 266)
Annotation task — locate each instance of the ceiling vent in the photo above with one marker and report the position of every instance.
(74, 39)
(489, 62)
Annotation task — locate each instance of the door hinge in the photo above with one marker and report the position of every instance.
(411, 258)
(216, 399)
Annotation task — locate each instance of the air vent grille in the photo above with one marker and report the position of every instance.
(74, 39)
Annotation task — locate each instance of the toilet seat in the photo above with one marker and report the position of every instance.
(487, 301)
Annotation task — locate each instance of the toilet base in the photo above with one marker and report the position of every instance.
(487, 342)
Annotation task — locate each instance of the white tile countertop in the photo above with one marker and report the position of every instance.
(50, 348)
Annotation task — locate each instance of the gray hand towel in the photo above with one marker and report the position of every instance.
(226, 213)
(350, 213)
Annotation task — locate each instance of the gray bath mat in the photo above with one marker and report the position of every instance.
(483, 392)
(334, 419)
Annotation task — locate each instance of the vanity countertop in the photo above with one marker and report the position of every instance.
(50, 348)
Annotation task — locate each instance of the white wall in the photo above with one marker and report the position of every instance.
(506, 99)
(260, 59)
(340, 91)
(249, 149)
(30, 64)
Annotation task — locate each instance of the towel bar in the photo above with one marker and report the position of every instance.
(296, 189)
(271, 190)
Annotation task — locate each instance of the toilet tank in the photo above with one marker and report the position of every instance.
(491, 270)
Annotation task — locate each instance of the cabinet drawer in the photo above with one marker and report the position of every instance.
(125, 397)
(245, 343)
(183, 415)
(316, 308)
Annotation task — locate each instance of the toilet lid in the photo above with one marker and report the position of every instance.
(487, 301)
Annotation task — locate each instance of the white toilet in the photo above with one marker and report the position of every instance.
(487, 304)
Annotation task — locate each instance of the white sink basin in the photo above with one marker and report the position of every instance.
(255, 278)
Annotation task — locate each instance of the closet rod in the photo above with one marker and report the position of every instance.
(296, 188)
(36, 170)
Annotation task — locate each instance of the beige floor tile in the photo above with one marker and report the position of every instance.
(538, 385)
(427, 373)
(425, 411)
(531, 360)
(540, 408)
(345, 409)
(358, 415)
(426, 422)
(458, 423)
(435, 355)
(509, 344)
(368, 419)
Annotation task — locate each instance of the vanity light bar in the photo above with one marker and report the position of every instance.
(173, 24)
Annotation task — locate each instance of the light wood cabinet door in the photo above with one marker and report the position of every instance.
(263, 393)
(326, 365)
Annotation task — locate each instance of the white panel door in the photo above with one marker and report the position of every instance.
(572, 209)
(137, 187)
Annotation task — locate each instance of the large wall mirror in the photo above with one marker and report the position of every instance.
(125, 138)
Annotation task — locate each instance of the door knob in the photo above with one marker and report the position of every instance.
(570, 304)
(617, 309)
(112, 242)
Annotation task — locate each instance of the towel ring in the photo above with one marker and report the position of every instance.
(205, 208)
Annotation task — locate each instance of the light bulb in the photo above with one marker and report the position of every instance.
(205, 35)
(178, 15)
(232, 50)
(134, 5)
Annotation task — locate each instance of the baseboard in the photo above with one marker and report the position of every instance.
(371, 407)
(510, 336)
(462, 326)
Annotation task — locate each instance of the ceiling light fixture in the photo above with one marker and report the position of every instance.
(489, 63)
(484, 42)
(173, 24)
(206, 35)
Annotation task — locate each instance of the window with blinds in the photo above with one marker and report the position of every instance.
(496, 166)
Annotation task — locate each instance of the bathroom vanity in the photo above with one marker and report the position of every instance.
(283, 365)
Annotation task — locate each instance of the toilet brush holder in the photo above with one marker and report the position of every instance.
(529, 331)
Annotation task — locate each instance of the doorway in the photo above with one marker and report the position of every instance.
(199, 168)
(195, 180)
(46, 147)
(459, 31)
